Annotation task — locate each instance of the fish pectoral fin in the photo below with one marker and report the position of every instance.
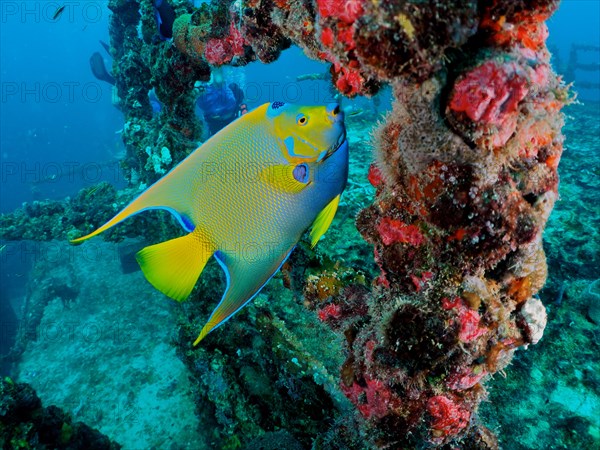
(173, 267)
(323, 221)
(281, 177)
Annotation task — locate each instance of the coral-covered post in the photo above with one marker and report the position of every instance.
(466, 177)
(466, 181)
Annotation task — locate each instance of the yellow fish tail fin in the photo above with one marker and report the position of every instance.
(173, 267)
(164, 194)
(323, 221)
(245, 279)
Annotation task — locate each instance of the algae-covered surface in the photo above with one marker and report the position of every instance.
(398, 330)
(114, 353)
(550, 395)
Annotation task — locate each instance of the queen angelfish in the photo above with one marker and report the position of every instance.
(246, 196)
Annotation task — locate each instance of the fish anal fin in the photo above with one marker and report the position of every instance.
(323, 221)
(281, 177)
(211, 325)
(244, 281)
(173, 267)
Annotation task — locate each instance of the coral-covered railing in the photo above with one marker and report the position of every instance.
(466, 177)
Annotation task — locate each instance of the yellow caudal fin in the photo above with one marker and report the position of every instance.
(173, 267)
(323, 221)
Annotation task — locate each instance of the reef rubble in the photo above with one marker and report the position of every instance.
(466, 178)
(26, 424)
(465, 175)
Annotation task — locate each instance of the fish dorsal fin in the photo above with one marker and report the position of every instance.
(281, 176)
(323, 221)
(173, 267)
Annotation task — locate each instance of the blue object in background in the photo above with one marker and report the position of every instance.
(165, 16)
(55, 116)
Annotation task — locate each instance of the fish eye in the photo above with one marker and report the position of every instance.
(301, 119)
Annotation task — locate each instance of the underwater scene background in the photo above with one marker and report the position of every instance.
(400, 329)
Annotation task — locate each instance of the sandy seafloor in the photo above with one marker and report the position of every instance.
(106, 354)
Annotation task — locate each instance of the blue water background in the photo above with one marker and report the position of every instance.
(58, 124)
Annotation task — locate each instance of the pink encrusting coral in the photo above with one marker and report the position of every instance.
(489, 95)
(448, 417)
(331, 311)
(327, 37)
(223, 50)
(422, 281)
(470, 325)
(523, 29)
(393, 230)
(466, 177)
(203, 38)
(217, 52)
(374, 176)
(340, 16)
(465, 379)
(349, 81)
(346, 10)
(374, 399)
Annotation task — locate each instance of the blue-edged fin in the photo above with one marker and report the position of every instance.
(245, 279)
(323, 221)
(170, 193)
(281, 177)
(173, 267)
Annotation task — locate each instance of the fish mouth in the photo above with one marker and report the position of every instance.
(333, 148)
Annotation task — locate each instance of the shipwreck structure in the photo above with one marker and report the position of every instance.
(466, 177)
